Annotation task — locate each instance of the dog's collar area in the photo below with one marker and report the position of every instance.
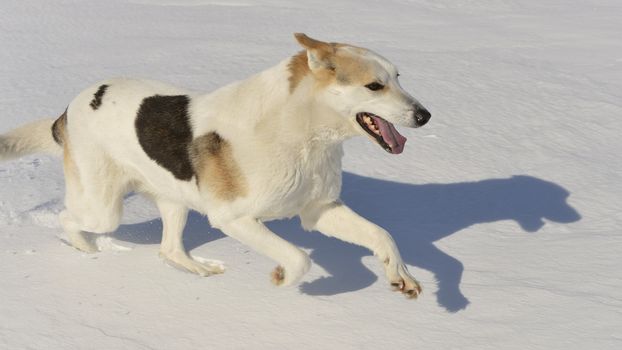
(382, 131)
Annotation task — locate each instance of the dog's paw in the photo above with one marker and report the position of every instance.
(81, 242)
(406, 283)
(199, 266)
(277, 276)
(286, 276)
(77, 239)
(84, 246)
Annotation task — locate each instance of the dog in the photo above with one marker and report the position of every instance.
(264, 148)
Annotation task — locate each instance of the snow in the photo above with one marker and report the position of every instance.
(505, 206)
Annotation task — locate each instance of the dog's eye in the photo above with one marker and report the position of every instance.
(397, 75)
(374, 86)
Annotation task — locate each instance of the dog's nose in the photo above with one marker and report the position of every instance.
(422, 115)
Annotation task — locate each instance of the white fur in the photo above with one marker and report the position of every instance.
(288, 146)
(30, 138)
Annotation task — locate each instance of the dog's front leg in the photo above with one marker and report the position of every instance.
(293, 262)
(339, 221)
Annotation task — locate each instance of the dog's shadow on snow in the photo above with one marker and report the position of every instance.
(415, 215)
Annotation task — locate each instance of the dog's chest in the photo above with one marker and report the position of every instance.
(314, 175)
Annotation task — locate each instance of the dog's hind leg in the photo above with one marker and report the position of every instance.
(77, 238)
(172, 248)
(73, 194)
(94, 191)
(294, 263)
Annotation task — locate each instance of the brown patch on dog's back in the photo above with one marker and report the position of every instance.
(215, 168)
(59, 127)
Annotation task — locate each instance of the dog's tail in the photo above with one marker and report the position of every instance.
(41, 136)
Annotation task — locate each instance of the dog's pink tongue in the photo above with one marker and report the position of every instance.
(390, 135)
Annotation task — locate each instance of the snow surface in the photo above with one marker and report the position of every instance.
(506, 206)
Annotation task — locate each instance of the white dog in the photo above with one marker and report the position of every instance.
(265, 148)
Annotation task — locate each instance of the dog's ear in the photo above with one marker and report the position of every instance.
(319, 53)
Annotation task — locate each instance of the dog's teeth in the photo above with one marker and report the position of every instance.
(371, 125)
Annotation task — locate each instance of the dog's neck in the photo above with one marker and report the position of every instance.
(265, 101)
(301, 107)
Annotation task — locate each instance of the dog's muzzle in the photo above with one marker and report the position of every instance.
(421, 115)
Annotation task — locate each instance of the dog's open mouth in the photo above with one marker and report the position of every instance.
(382, 131)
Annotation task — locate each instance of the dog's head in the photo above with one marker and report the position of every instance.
(361, 86)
